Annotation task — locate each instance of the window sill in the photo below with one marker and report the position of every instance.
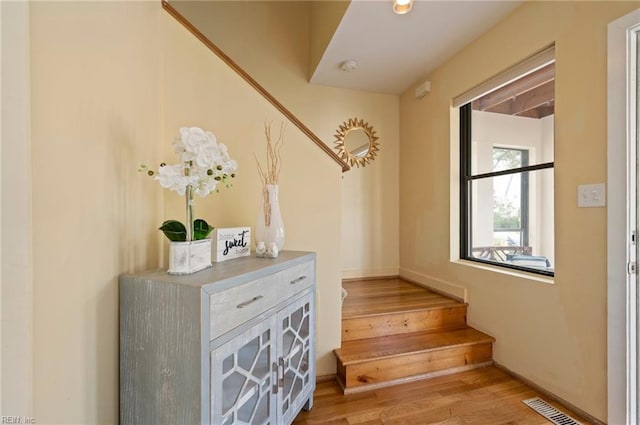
(514, 273)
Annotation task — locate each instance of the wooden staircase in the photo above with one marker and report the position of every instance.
(394, 331)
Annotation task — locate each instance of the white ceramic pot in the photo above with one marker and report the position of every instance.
(189, 257)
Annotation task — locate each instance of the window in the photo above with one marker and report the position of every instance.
(506, 170)
(510, 198)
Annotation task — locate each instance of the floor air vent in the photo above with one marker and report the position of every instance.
(550, 412)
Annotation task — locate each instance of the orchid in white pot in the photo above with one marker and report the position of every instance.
(205, 165)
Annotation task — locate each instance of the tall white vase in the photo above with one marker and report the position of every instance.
(269, 226)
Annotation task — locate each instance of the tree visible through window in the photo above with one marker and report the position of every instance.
(509, 194)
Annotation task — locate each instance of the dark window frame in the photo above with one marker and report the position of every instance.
(466, 178)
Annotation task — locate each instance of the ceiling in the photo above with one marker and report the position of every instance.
(392, 51)
(531, 96)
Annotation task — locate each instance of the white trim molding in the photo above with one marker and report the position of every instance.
(622, 334)
(16, 285)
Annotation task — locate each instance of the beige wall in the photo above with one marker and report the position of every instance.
(271, 41)
(207, 94)
(97, 103)
(553, 334)
(111, 83)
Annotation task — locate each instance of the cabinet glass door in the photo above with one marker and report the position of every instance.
(242, 378)
(296, 357)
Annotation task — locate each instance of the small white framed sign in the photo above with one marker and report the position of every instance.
(231, 242)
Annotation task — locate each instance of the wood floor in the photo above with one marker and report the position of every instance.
(485, 396)
(391, 320)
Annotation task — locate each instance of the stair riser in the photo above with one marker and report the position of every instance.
(394, 368)
(405, 322)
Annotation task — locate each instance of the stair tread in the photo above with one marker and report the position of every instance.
(385, 296)
(363, 350)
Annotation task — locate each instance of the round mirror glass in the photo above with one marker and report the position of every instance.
(356, 142)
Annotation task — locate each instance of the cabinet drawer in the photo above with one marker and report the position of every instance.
(234, 306)
(294, 279)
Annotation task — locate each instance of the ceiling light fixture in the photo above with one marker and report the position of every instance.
(401, 7)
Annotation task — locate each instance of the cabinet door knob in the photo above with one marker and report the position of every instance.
(246, 303)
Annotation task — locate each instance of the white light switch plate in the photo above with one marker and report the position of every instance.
(591, 195)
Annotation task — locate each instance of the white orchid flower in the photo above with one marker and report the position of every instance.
(230, 166)
(203, 161)
(207, 157)
(169, 175)
(204, 164)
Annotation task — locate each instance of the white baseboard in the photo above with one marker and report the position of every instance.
(369, 273)
(454, 291)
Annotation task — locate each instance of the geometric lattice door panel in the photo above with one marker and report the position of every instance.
(296, 356)
(242, 378)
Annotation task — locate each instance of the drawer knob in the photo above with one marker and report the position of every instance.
(246, 303)
(299, 279)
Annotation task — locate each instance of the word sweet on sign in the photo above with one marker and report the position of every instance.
(231, 243)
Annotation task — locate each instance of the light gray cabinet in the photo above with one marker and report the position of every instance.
(233, 344)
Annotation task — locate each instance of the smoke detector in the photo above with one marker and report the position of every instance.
(348, 66)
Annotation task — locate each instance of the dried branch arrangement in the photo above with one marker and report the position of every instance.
(271, 172)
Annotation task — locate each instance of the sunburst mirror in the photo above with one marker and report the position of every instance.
(356, 142)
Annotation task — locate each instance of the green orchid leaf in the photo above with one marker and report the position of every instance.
(201, 229)
(174, 230)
